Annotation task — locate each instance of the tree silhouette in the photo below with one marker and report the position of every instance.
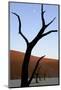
(37, 74)
(44, 76)
(30, 45)
(36, 77)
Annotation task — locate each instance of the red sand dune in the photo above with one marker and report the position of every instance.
(47, 66)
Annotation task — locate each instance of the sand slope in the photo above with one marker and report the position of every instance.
(47, 67)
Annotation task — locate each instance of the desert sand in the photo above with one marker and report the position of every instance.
(48, 67)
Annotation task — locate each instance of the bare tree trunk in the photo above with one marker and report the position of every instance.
(36, 78)
(39, 77)
(44, 76)
(24, 73)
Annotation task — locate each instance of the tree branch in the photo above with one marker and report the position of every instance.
(41, 32)
(20, 28)
(50, 22)
(43, 20)
(42, 16)
(41, 58)
(49, 32)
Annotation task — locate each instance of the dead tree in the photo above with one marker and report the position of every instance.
(36, 77)
(44, 76)
(30, 45)
(37, 74)
(38, 71)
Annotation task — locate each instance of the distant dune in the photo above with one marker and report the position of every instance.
(47, 67)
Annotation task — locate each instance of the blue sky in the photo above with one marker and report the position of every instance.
(30, 15)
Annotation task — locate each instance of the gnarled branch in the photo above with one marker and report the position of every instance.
(44, 26)
(42, 16)
(41, 58)
(43, 20)
(20, 28)
(50, 22)
(49, 32)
